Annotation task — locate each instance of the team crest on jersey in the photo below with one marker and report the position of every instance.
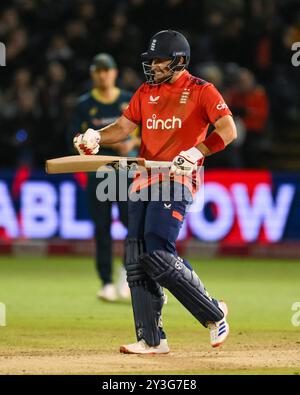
(93, 111)
(184, 96)
(153, 100)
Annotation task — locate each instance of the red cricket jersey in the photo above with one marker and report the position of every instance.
(174, 117)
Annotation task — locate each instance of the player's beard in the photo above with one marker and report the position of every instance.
(160, 77)
(155, 75)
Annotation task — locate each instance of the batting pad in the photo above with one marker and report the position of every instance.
(146, 295)
(170, 272)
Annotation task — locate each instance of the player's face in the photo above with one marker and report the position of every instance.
(160, 69)
(104, 78)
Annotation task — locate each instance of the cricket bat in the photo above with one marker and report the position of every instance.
(91, 163)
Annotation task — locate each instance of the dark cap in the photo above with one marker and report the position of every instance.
(103, 61)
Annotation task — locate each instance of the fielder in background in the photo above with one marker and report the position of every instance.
(173, 109)
(98, 108)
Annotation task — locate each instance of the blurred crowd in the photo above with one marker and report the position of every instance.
(242, 46)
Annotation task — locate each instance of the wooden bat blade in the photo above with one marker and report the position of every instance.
(88, 163)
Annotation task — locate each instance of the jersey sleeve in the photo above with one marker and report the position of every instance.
(133, 111)
(214, 106)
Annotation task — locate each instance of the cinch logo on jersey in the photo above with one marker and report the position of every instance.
(170, 123)
(222, 106)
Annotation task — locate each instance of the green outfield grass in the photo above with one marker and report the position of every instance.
(52, 312)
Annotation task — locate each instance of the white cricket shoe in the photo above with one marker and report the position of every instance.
(108, 293)
(165, 298)
(219, 330)
(123, 287)
(142, 347)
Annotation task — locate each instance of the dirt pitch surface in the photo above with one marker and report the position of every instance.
(278, 359)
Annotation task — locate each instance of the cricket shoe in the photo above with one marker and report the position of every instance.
(165, 298)
(123, 287)
(219, 330)
(124, 291)
(141, 347)
(107, 293)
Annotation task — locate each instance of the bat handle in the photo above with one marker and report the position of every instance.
(156, 164)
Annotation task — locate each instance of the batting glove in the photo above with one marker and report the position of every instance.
(87, 143)
(186, 162)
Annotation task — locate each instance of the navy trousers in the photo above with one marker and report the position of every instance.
(159, 222)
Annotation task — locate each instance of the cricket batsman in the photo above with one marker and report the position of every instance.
(174, 110)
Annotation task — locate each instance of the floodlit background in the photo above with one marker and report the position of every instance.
(250, 50)
(50, 46)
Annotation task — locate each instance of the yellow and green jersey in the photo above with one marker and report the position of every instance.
(94, 111)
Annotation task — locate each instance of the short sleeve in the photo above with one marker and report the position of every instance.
(213, 104)
(133, 111)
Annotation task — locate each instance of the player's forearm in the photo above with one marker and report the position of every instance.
(112, 134)
(216, 142)
(89, 142)
(223, 135)
(117, 131)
